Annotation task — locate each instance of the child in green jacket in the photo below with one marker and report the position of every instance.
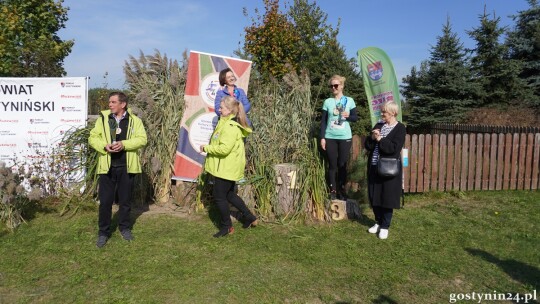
(226, 161)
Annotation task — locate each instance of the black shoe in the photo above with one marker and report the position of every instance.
(250, 222)
(101, 241)
(126, 234)
(342, 193)
(333, 195)
(224, 232)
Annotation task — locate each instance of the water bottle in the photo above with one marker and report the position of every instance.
(405, 157)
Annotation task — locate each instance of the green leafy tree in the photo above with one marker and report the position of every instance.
(29, 43)
(303, 41)
(524, 44)
(272, 42)
(323, 56)
(444, 90)
(98, 99)
(497, 75)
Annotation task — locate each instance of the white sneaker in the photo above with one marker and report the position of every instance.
(383, 234)
(374, 229)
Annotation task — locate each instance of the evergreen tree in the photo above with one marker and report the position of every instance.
(444, 90)
(29, 43)
(497, 75)
(410, 89)
(524, 44)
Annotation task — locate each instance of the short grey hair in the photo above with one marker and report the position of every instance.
(390, 107)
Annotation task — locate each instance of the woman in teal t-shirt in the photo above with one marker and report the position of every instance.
(336, 135)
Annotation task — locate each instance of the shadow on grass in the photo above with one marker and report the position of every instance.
(30, 212)
(137, 211)
(382, 299)
(363, 218)
(3, 232)
(524, 273)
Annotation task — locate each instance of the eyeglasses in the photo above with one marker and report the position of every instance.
(334, 86)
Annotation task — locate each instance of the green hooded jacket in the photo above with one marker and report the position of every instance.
(226, 154)
(100, 136)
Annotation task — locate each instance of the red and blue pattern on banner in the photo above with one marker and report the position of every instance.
(199, 117)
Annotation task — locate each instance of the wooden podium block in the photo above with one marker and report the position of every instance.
(340, 210)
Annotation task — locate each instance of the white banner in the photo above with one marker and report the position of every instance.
(36, 112)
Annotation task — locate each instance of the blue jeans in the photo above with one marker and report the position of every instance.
(383, 216)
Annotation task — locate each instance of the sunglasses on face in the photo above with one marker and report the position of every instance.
(334, 86)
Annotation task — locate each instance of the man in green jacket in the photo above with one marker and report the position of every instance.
(117, 136)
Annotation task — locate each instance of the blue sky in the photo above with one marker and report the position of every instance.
(107, 32)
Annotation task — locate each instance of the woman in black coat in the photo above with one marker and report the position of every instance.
(386, 140)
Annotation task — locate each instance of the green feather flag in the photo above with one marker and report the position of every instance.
(379, 80)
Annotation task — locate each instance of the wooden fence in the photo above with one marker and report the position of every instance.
(447, 128)
(475, 161)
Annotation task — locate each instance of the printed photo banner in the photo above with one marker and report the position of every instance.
(380, 81)
(199, 117)
(35, 113)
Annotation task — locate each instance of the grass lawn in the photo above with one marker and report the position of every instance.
(440, 244)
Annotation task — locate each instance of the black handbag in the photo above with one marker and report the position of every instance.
(388, 167)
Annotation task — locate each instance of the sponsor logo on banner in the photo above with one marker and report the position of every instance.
(38, 132)
(209, 88)
(37, 145)
(69, 84)
(7, 157)
(64, 96)
(7, 133)
(10, 145)
(64, 131)
(70, 109)
(10, 121)
(71, 120)
(375, 70)
(36, 156)
(39, 121)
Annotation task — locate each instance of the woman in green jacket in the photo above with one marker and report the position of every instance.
(226, 161)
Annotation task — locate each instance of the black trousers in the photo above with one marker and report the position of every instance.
(338, 151)
(383, 216)
(116, 181)
(224, 192)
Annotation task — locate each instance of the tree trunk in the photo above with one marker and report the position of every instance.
(287, 188)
